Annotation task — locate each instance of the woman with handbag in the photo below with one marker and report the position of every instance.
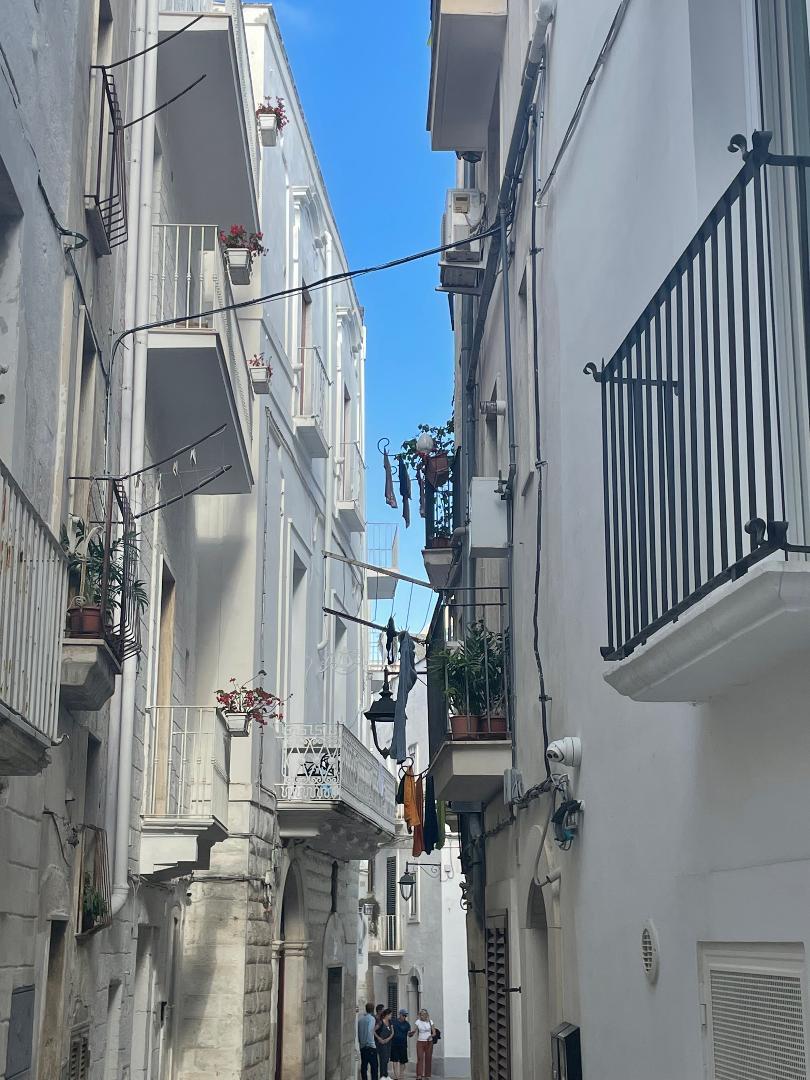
(425, 1036)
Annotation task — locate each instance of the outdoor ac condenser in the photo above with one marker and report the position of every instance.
(486, 531)
(461, 267)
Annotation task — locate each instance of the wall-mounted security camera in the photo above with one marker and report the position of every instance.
(567, 751)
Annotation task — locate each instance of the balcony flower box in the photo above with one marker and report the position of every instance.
(239, 247)
(237, 723)
(260, 373)
(240, 265)
(272, 119)
(238, 705)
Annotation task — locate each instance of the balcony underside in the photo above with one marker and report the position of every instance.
(23, 749)
(333, 827)
(207, 126)
(470, 771)
(467, 45)
(350, 515)
(189, 395)
(729, 639)
(310, 433)
(171, 847)
(380, 586)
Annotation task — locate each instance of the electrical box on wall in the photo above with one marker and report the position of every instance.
(566, 1056)
(486, 532)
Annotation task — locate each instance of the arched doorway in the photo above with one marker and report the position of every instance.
(414, 997)
(537, 1020)
(291, 980)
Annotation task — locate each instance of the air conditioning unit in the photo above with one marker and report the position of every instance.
(461, 267)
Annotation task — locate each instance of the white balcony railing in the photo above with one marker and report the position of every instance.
(312, 386)
(188, 763)
(382, 544)
(234, 9)
(390, 937)
(330, 764)
(33, 599)
(190, 277)
(352, 476)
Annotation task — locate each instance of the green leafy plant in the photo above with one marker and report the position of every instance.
(442, 443)
(85, 551)
(473, 672)
(94, 906)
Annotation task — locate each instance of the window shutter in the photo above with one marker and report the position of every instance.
(497, 945)
(79, 1058)
(391, 885)
(755, 1015)
(393, 996)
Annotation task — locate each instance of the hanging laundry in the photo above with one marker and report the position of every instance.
(441, 813)
(407, 680)
(420, 479)
(412, 813)
(400, 799)
(405, 491)
(390, 497)
(390, 641)
(431, 832)
(419, 828)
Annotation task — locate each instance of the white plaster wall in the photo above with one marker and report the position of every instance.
(680, 801)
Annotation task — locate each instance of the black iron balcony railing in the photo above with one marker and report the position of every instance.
(442, 509)
(704, 422)
(108, 187)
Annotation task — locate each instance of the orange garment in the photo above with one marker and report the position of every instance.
(412, 815)
(418, 829)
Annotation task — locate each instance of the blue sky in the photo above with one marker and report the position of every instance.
(362, 70)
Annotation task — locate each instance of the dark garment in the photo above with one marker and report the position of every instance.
(391, 641)
(420, 479)
(405, 492)
(402, 1029)
(368, 1056)
(431, 818)
(383, 1049)
(441, 813)
(407, 680)
(399, 1051)
(400, 799)
(390, 497)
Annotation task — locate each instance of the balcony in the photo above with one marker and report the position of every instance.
(468, 703)
(351, 495)
(388, 941)
(311, 402)
(186, 799)
(442, 517)
(704, 444)
(212, 128)
(467, 38)
(382, 549)
(105, 199)
(198, 379)
(33, 597)
(334, 792)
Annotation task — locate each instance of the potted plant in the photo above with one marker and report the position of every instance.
(90, 613)
(260, 372)
(94, 906)
(430, 451)
(240, 246)
(238, 705)
(473, 673)
(272, 119)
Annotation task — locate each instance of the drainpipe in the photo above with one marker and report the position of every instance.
(135, 109)
(143, 239)
(332, 464)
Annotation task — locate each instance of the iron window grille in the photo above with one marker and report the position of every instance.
(106, 198)
(442, 507)
(95, 893)
(702, 452)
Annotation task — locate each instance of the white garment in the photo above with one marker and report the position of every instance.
(423, 1028)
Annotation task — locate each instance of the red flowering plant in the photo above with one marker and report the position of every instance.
(254, 702)
(267, 106)
(239, 237)
(258, 361)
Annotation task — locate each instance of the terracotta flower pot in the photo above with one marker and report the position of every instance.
(86, 621)
(493, 726)
(437, 469)
(464, 727)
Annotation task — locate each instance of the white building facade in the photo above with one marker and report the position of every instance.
(177, 877)
(658, 930)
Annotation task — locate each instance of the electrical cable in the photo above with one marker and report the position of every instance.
(143, 52)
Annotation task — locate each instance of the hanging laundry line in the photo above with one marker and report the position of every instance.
(365, 622)
(377, 569)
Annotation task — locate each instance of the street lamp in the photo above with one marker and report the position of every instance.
(382, 712)
(408, 879)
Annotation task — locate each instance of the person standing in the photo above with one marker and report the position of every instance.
(365, 1039)
(424, 1045)
(383, 1035)
(399, 1045)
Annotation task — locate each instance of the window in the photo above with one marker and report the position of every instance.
(391, 885)
(370, 865)
(296, 679)
(79, 1053)
(751, 996)
(95, 894)
(393, 996)
(88, 415)
(20, 1034)
(413, 903)
(784, 72)
(497, 959)
(334, 887)
(51, 1044)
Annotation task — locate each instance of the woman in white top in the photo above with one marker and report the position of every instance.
(424, 1045)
